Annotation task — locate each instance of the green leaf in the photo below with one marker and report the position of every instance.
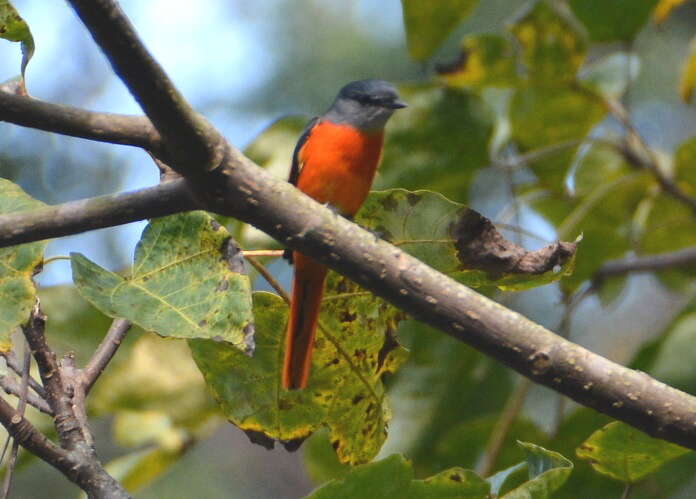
(15, 29)
(423, 149)
(542, 116)
(485, 60)
(626, 454)
(353, 349)
(615, 20)
(548, 471)
(685, 166)
(664, 8)
(552, 47)
(187, 282)
(459, 242)
(17, 266)
(428, 24)
(669, 226)
(393, 478)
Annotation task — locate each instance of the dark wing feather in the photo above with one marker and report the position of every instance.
(296, 166)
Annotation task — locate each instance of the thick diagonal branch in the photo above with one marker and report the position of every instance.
(193, 145)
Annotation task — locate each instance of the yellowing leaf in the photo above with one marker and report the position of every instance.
(352, 351)
(484, 60)
(624, 453)
(188, 281)
(552, 47)
(429, 23)
(688, 75)
(17, 266)
(15, 29)
(664, 9)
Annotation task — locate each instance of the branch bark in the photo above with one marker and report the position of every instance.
(649, 263)
(96, 213)
(103, 127)
(104, 353)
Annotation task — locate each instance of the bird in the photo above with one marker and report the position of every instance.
(334, 162)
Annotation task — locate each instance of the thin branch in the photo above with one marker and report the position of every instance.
(77, 458)
(65, 120)
(104, 352)
(95, 213)
(12, 387)
(648, 160)
(262, 253)
(650, 263)
(21, 407)
(12, 363)
(32, 439)
(268, 276)
(56, 395)
(193, 145)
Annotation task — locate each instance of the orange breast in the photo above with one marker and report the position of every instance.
(339, 164)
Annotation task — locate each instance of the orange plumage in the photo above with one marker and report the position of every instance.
(338, 163)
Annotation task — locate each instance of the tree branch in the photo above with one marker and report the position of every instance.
(11, 386)
(76, 458)
(12, 363)
(95, 213)
(194, 146)
(661, 261)
(103, 127)
(104, 352)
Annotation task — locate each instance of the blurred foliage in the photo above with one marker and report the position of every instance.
(518, 120)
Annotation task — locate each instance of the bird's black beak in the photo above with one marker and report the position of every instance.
(397, 104)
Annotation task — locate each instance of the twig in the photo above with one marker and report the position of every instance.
(262, 253)
(21, 407)
(649, 162)
(55, 259)
(269, 278)
(56, 395)
(12, 387)
(104, 353)
(12, 363)
(76, 458)
(649, 263)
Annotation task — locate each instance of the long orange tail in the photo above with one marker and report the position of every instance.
(307, 291)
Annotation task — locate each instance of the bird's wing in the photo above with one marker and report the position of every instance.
(296, 162)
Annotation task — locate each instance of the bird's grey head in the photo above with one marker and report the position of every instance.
(365, 104)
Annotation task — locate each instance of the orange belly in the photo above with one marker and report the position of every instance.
(339, 164)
